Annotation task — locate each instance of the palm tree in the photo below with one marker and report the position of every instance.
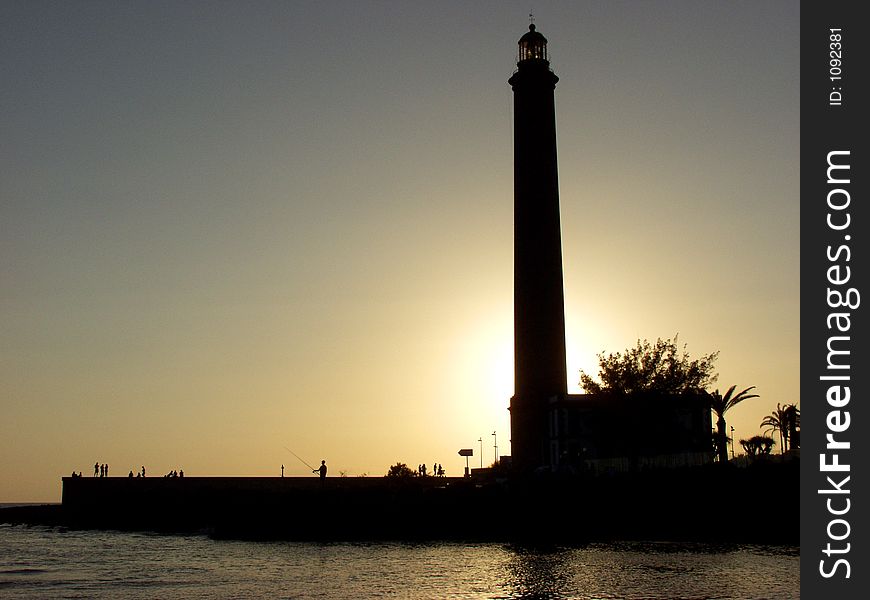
(785, 419)
(777, 421)
(722, 404)
(792, 416)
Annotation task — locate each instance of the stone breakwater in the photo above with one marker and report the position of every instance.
(706, 504)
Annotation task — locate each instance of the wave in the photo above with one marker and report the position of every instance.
(24, 571)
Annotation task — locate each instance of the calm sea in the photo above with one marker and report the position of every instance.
(40, 562)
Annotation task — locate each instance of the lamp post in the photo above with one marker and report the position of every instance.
(732, 442)
(495, 446)
(480, 439)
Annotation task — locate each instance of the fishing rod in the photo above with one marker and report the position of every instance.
(300, 459)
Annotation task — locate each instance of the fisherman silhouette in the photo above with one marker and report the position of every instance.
(321, 470)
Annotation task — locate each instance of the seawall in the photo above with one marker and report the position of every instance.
(258, 507)
(709, 504)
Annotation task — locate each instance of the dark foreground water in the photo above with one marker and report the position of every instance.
(39, 562)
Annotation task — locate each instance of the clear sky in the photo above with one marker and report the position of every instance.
(231, 227)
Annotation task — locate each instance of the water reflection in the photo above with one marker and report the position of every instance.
(35, 564)
(537, 573)
(650, 570)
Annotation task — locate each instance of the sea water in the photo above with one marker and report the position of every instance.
(43, 562)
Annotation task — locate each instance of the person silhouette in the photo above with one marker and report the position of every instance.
(107, 469)
(181, 473)
(131, 474)
(96, 468)
(322, 469)
(143, 470)
(282, 470)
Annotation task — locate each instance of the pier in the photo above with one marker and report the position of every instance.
(704, 504)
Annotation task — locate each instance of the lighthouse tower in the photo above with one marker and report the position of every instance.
(540, 376)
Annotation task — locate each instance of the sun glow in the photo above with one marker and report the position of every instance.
(482, 374)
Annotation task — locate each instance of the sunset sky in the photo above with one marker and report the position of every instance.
(231, 227)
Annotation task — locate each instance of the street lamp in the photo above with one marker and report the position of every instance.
(732, 442)
(495, 446)
(480, 439)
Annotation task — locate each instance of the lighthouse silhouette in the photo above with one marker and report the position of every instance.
(540, 376)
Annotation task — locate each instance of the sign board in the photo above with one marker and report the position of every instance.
(466, 452)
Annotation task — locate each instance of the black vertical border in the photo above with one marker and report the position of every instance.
(826, 128)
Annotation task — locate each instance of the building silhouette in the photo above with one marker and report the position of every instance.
(551, 429)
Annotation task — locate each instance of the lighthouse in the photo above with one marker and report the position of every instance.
(540, 376)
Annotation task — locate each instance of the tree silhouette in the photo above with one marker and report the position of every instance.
(659, 368)
(714, 435)
(722, 404)
(757, 445)
(776, 421)
(793, 424)
(785, 420)
(400, 471)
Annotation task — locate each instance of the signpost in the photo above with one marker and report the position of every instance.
(466, 452)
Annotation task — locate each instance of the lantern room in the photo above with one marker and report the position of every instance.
(533, 46)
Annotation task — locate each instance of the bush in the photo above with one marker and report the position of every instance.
(400, 471)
